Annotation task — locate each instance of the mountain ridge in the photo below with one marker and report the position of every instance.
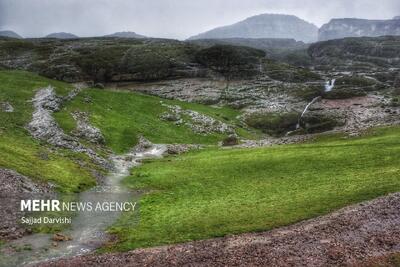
(265, 26)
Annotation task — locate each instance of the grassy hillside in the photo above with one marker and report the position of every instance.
(213, 193)
(123, 116)
(18, 151)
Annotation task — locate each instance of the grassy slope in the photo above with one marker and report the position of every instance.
(218, 192)
(18, 151)
(122, 116)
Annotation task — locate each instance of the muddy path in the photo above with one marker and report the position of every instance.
(346, 237)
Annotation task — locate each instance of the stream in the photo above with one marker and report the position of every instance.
(87, 228)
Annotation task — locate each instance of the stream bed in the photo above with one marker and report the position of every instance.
(87, 229)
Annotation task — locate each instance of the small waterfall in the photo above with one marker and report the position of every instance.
(305, 110)
(329, 85)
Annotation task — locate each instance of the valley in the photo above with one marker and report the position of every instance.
(239, 150)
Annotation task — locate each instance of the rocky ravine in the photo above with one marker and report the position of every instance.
(346, 237)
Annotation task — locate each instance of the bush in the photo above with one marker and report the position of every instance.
(287, 73)
(309, 92)
(316, 123)
(231, 61)
(343, 93)
(273, 123)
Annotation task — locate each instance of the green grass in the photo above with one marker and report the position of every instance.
(213, 193)
(123, 116)
(18, 151)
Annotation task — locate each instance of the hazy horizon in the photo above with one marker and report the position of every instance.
(176, 19)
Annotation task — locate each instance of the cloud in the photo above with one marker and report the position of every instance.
(170, 18)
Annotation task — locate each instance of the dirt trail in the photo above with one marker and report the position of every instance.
(346, 237)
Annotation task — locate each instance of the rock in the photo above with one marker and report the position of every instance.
(44, 127)
(6, 107)
(61, 237)
(231, 140)
(170, 116)
(198, 122)
(99, 86)
(176, 149)
(85, 130)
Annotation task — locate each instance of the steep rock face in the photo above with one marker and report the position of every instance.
(341, 28)
(10, 34)
(265, 26)
(365, 53)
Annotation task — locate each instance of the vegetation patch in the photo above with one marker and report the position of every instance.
(318, 122)
(287, 73)
(273, 123)
(123, 116)
(213, 193)
(231, 61)
(18, 151)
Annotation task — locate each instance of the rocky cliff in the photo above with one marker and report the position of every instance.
(341, 28)
(266, 26)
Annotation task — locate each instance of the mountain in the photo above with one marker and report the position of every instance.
(10, 34)
(352, 27)
(62, 35)
(265, 26)
(125, 35)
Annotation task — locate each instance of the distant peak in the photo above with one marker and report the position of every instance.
(126, 34)
(61, 35)
(10, 34)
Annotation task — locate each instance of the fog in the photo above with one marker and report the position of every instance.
(170, 18)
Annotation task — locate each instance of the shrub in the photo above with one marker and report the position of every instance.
(273, 123)
(231, 61)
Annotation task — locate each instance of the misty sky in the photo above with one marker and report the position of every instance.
(170, 18)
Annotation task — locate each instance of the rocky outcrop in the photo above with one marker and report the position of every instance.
(6, 107)
(44, 127)
(341, 28)
(85, 130)
(266, 26)
(367, 54)
(199, 123)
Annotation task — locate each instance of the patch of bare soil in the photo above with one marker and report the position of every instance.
(347, 237)
(14, 187)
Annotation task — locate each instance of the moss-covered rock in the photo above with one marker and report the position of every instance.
(273, 123)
